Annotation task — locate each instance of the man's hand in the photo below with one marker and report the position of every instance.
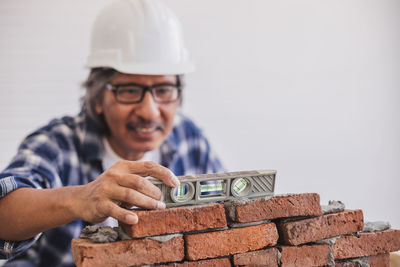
(122, 184)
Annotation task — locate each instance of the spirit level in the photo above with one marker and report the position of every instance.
(196, 189)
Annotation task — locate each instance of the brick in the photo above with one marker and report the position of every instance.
(306, 255)
(126, 253)
(266, 257)
(273, 208)
(232, 241)
(314, 229)
(381, 260)
(221, 262)
(366, 244)
(177, 220)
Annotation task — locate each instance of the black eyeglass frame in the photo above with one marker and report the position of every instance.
(114, 88)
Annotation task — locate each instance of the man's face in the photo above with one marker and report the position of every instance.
(137, 128)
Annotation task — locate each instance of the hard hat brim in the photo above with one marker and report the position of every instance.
(147, 69)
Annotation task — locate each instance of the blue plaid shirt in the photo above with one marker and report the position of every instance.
(68, 151)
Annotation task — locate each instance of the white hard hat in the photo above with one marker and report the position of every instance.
(139, 37)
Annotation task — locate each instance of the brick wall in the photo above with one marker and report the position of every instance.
(289, 230)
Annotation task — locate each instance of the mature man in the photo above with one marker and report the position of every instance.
(90, 165)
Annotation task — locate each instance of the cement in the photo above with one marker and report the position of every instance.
(376, 226)
(99, 234)
(333, 207)
(329, 241)
(121, 234)
(239, 225)
(361, 262)
(163, 238)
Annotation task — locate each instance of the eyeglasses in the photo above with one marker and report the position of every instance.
(133, 93)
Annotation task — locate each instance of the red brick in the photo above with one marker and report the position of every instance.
(313, 255)
(177, 220)
(221, 262)
(232, 241)
(126, 253)
(366, 244)
(314, 229)
(275, 207)
(381, 260)
(266, 257)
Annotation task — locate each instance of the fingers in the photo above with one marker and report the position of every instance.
(121, 214)
(149, 168)
(140, 184)
(135, 198)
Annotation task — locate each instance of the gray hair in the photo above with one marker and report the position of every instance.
(94, 86)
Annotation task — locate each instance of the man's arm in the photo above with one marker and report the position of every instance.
(27, 212)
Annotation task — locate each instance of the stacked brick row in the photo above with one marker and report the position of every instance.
(288, 230)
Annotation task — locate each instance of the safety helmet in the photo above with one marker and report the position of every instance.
(139, 37)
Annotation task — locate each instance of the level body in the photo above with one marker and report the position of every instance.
(202, 188)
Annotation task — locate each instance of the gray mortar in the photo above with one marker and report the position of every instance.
(207, 230)
(362, 262)
(329, 241)
(121, 234)
(107, 234)
(230, 206)
(278, 257)
(162, 238)
(331, 259)
(376, 226)
(239, 225)
(99, 234)
(333, 206)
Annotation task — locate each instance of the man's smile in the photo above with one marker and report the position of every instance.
(145, 130)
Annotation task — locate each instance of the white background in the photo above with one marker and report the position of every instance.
(309, 88)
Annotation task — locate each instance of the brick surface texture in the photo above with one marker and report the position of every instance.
(286, 230)
(177, 220)
(221, 262)
(314, 229)
(279, 207)
(222, 243)
(381, 260)
(266, 257)
(307, 255)
(365, 244)
(127, 253)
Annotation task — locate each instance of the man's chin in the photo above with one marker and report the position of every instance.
(145, 146)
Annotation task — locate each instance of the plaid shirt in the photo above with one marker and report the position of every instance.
(68, 151)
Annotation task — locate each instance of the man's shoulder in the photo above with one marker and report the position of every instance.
(60, 130)
(63, 125)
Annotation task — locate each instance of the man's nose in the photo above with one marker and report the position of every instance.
(148, 108)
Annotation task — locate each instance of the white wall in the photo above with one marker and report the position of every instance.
(309, 88)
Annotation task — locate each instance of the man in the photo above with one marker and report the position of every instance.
(91, 165)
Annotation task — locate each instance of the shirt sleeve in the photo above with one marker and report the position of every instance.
(34, 166)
